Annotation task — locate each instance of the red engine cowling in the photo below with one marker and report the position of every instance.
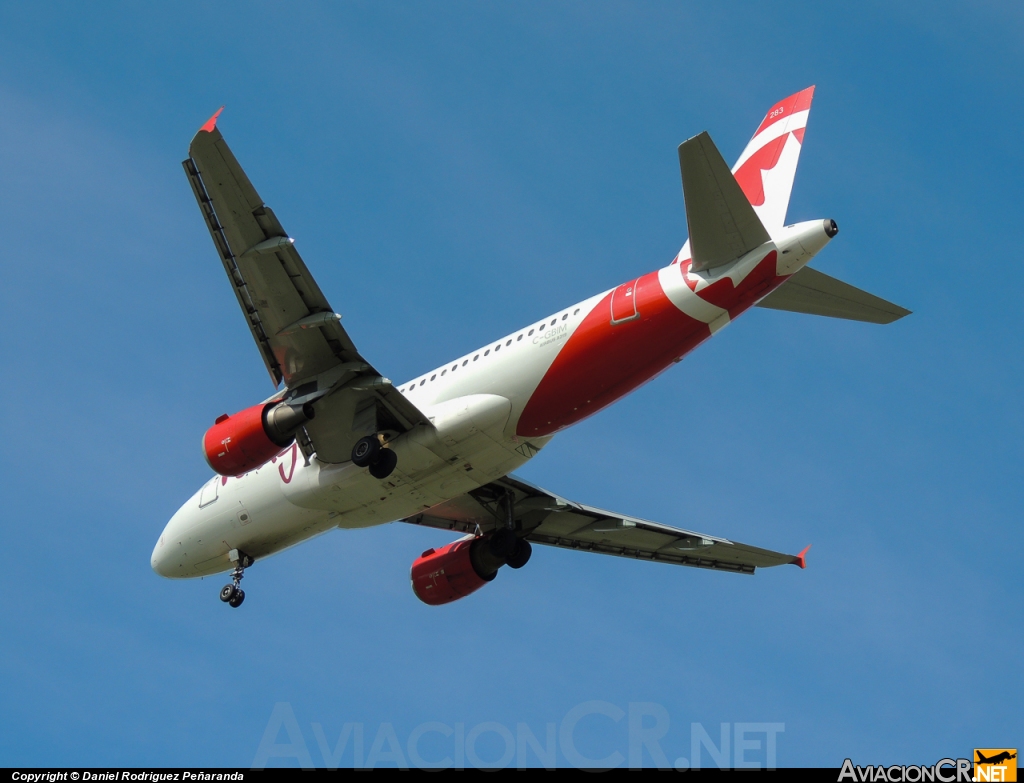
(243, 442)
(440, 576)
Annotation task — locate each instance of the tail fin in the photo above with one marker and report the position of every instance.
(766, 169)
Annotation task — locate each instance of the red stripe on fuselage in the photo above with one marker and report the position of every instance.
(737, 298)
(601, 363)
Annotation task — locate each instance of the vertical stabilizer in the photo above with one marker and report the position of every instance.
(766, 169)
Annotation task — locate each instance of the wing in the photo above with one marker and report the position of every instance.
(815, 293)
(555, 521)
(296, 330)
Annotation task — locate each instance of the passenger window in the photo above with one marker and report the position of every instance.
(487, 352)
(553, 320)
(530, 333)
(497, 347)
(423, 381)
(565, 316)
(444, 372)
(465, 362)
(577, 311)
(455, 367)
(476, 357)
(508, 343)
(433, 376)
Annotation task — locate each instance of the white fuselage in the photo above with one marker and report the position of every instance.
(491, 410)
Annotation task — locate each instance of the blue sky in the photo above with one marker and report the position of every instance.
(452, 172)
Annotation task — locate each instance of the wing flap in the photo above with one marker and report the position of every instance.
(554, 521)
(815, 293)
(723, 225)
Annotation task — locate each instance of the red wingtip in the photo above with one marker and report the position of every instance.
(211, 123)
(800, 559)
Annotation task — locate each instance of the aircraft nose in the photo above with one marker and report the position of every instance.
(160, 560)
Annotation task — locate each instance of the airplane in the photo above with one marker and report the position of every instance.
(340, 445)
(996, 759)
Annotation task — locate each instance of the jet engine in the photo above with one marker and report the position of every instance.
(440, 576)
(243, 442)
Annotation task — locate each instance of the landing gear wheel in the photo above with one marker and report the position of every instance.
(232, 594)
(521, 555)
(385, 463)
(503, 543)
(365, 451)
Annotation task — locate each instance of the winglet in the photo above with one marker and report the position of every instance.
(211, 123)
(799, 559)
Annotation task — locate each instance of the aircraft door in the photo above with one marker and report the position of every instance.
(624, 303)
(208, 493)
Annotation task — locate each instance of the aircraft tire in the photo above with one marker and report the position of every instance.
(237, 598)
(503, 543)
(227, 592)
(384, 465)
(521, 555)
(365, 451)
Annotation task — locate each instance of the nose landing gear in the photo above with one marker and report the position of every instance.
(232, 594)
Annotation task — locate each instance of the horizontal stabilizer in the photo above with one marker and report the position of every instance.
(722, 224)
(812, 292)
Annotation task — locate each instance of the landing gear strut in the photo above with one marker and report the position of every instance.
(369, 453)
(504, 543)
(232, 594)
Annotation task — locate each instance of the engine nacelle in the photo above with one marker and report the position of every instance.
(243, 442)
(440, 576)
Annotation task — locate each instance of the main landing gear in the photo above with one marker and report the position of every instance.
(504, 543)
(232, 594)
(369, 453)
